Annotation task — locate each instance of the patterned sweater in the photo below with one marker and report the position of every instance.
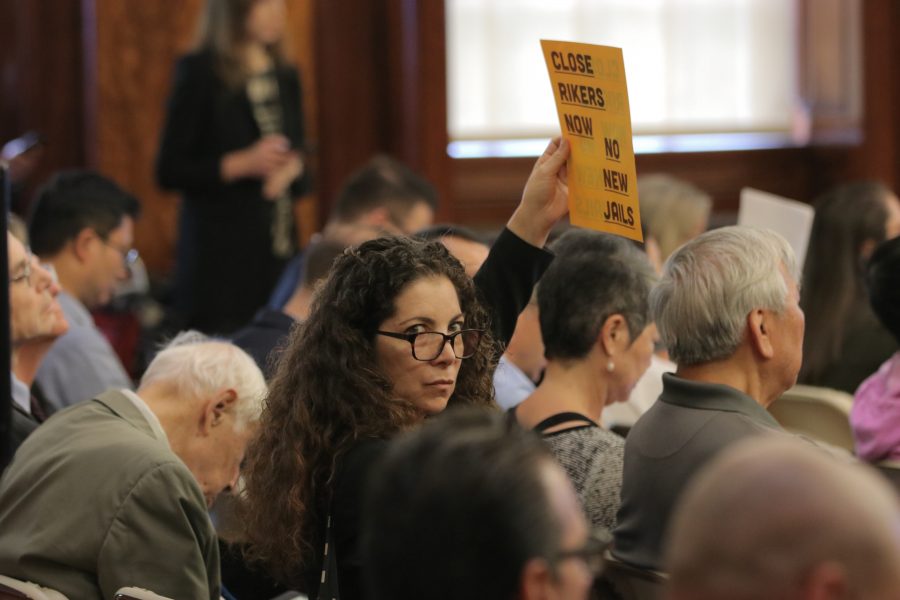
(592, 456)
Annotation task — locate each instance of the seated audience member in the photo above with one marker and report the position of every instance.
(598, 340)
(621, 416)
(672, 212)
(82, 225)
(34, 320)
(114, 491)
(29, 353)
(463, 243)
(522, 362)
(778, 519)
(382, 197)
(844, 342)
(468, 507)
(727, 310)
(875, 417)
(373, 360)
(266, 335)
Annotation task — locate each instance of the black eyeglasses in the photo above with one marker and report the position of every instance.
(592, 553)
(428, 345)
(129, 257)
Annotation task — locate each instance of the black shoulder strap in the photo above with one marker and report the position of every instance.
(560, 418)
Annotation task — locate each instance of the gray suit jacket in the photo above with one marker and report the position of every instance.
(689, 425)
(93, 501)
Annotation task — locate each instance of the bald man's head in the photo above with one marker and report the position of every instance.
(779, 519)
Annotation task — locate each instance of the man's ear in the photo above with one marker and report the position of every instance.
(214, 409)
(759, 323)
(537, 580)
(614, 336)
(81, 244)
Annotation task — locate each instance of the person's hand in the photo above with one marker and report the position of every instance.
(267, 155)
(278, 181)
(546, 197)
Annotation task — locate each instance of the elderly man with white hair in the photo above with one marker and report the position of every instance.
(114, 491)
(780, 519)
(727, 310)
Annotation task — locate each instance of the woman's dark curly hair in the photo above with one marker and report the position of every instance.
(328, 392)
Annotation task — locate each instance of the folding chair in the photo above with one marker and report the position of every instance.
(134, 593)
(16, 589)
(820, 413)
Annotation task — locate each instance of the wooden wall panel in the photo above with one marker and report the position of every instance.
(351, 63)
(381, 89)
(132, 48)
(41, 81)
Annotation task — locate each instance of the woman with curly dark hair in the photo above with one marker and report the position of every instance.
(396, 334)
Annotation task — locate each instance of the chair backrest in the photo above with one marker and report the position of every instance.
(134, 593)
(621, 581)
(891, 471)
(16, 589)
(820, 413)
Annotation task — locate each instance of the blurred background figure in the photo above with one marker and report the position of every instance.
(468, 247)
(780, 519)
(875, 416)
(844, 341)
(673, 212)
(82, 224)
(232, 144)
(382, 197)
(265, 337)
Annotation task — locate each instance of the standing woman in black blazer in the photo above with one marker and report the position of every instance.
(232, 146)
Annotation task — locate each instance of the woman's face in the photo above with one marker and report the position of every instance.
(426, 304)
(631, 364)
(265, 22)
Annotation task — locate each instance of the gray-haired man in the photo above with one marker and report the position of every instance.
(114, 491)
(727, 310)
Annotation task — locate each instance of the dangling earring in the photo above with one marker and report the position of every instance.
(610, 366)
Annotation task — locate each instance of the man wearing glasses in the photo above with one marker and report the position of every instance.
(470, 506)
(34, 317)
(82, 225)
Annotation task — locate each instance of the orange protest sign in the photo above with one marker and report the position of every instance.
(592, 102)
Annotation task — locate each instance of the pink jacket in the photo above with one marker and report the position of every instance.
(875, 416)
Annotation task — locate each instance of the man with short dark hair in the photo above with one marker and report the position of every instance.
(267, 334)
(469, 507)
(382, 197)
(82, 225)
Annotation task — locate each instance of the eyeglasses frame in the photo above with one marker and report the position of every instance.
(448, 337)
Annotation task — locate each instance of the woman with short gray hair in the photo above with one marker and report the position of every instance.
(593, 311)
